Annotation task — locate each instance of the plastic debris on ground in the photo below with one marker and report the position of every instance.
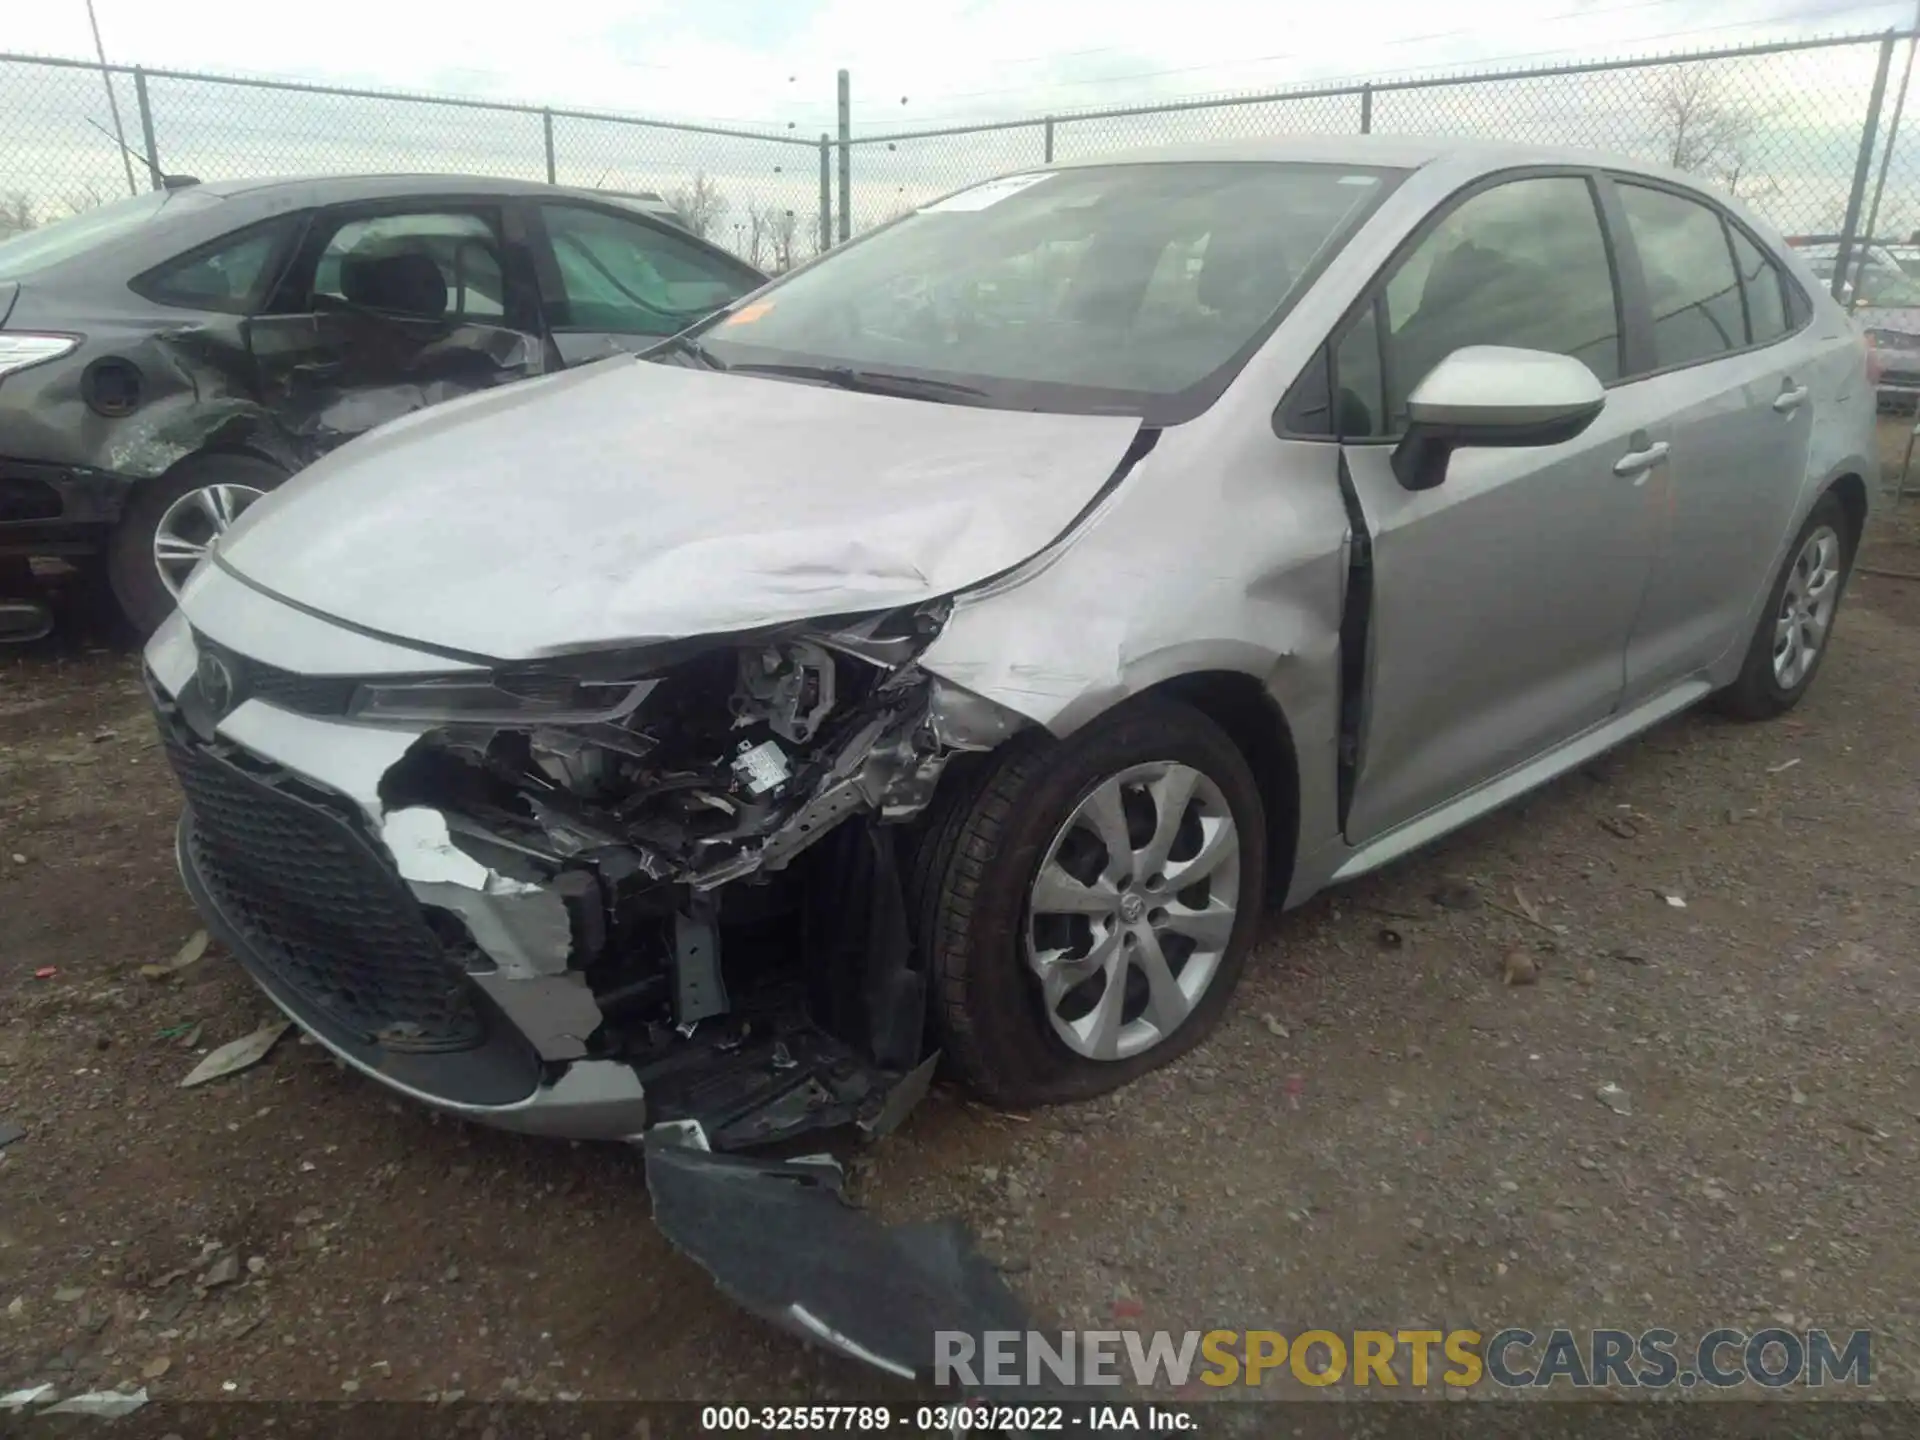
(102, 1404)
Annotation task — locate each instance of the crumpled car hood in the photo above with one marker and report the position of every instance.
(630, 501)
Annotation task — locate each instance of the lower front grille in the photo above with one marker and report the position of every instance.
(322, 911)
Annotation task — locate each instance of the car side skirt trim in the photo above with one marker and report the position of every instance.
(1516, 782)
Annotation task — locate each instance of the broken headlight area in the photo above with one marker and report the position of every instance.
(695, 871)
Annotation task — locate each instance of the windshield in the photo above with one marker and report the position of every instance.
(62, 240)
(1136, 289)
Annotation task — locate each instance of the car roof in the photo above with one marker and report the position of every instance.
(1398, 152)
(336, 189)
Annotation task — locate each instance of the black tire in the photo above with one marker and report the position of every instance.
(142, 596)
(1757, 693)
(981, 849)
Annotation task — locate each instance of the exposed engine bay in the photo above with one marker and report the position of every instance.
(690, 863)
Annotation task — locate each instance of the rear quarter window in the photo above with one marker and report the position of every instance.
(229, 275)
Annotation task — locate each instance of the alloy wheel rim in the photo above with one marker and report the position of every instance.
(191, 527)
(1130, 912)
(1806, 607)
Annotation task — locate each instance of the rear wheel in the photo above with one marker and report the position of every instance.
(171, 524)
(1792, 636)
(1087, 905)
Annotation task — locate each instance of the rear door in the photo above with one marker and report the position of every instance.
(390, 308)
(614, 281)
(1501, 599)
(1738, 386)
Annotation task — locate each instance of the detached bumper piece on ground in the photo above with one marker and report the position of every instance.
(780, 1240)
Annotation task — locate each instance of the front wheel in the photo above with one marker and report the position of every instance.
(171, 525)
(1796, 625)
(1087, 905)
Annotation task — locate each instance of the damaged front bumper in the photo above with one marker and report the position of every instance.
(517, 931)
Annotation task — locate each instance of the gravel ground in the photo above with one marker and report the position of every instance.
(1384, 1133)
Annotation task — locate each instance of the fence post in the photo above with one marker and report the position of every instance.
(826, 192)
(146, 127)
(1893, 136)
(1049, 139)
(1366, 109)
(546, 128)
(846, 157)
(1863, 166)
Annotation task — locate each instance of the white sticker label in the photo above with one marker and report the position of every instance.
(981, 196)
(762, 768)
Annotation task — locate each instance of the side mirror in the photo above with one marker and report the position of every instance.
(1493, 395)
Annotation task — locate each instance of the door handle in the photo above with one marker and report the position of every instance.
(1788, 401)
(1638, 462)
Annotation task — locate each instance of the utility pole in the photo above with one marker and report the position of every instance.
(113, 103)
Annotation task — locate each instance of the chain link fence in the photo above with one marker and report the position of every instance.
(1781, 126)
(1786, 127)
(57, 151)
(755, 192)
(757, 195)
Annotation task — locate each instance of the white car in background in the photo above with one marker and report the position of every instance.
(1883, 298)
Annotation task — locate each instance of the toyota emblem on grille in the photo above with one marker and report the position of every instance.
(216, 682)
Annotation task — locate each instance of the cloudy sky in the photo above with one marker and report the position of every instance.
(921, 63)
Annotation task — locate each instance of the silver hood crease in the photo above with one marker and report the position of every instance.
(654, 502)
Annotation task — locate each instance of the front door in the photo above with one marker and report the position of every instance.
(1503, 598)
(389, 311)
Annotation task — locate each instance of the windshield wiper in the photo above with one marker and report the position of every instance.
(690, 346)
(871, 382)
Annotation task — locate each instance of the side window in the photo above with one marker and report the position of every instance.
(624, 277)
(1690, 279)
(1760, 282)
(1524, 264)
(1304, 411)
(429, 265)
(1359, 400)
(227, 275)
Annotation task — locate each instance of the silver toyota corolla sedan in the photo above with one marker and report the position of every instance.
(945, 651)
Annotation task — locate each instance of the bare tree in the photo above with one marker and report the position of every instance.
(759, 228)
(700, 204)
(1702, 131)
(83, 198)
(16, 213)
(784, 232)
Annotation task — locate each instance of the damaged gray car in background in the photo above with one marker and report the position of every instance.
(944, 651)
(167, 359)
